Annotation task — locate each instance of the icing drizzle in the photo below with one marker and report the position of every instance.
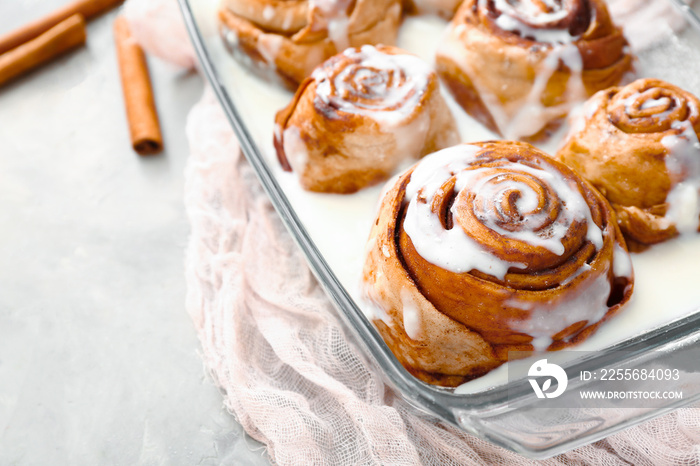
(453, 249)
(530, 20)
(387, 87)
(683, 161)
(661, 109)
(526, 115)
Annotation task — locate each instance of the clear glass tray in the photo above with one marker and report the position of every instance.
(505, 413)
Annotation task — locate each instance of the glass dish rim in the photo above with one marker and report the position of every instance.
(436, 401)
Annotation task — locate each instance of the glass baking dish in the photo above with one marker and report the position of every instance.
(505, 413)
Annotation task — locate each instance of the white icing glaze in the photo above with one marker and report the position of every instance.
(411, 316)
(550, 36)
(524, 116)
(541, 343)
(683, 207)
(650, 103)
(385, 87)
(531, 11)
(632, 104)
(370, 303)
(335, 13)
(338, 32)
(531, 116)
(589, 304)
(385, 251)
(622, 262)
(450, 249)
(576, 208)
(231, 37)
(295, 149)
(268, 12)
(454, 249)
(509, 20)
(683, 164)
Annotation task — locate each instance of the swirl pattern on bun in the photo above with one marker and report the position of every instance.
(639, 146)
(519, 67)
(359, 116)
(481, 249)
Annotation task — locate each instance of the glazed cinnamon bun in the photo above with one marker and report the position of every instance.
(519, 67)
(481, 249)
(359, 116)
(639, 146)
(292, 37)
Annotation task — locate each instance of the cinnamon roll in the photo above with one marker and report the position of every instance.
(519, 67)
(481, 249)
(292, 37)
(639, 146)
(359, 115)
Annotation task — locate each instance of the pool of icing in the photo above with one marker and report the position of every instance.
(666, 276)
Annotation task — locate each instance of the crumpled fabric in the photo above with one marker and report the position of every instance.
(158, 27)
(276, 347)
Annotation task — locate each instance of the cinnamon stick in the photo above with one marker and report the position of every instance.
(141, 112)
(63, 37)
(86, 8)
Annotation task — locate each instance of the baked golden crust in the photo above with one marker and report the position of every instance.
(636, 144)
(292, 37)
(360, 115)
(481, 249)
(519, 72)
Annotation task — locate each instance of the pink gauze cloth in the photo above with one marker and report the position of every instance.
(276, 348)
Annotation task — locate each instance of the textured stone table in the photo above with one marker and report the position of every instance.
(99, 361)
